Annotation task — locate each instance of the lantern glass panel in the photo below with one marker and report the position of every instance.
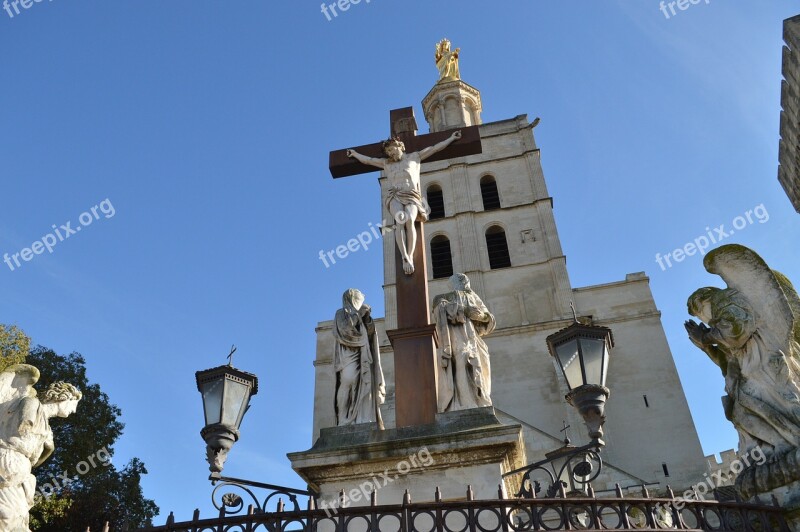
(212, 401)
(235, 399)
(593, 350)
(570, 362)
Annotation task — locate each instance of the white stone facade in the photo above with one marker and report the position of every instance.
(650, 434)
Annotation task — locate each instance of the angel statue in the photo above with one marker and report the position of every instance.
(447, 62)
(465, 377)
(26, 440)
(752, 332)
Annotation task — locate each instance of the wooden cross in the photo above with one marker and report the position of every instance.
(415, 364)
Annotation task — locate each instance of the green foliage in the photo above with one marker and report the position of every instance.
(49, 509)
(97, 491)
(14, 346)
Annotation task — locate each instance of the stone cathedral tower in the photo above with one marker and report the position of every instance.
(492, 218)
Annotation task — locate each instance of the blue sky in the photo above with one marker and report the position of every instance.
(207, 125)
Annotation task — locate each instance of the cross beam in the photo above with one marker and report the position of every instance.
(404, 126)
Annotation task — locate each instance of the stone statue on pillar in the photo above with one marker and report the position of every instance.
(404, 200)
(751, 331)
(26, 439)
(360, 387)
(465, 378)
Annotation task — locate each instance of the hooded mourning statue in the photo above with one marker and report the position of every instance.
(360, 388)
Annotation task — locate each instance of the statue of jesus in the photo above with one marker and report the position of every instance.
(404, 199)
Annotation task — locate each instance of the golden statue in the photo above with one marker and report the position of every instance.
(447, 62)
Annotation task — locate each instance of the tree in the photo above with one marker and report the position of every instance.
(79, 486)
(14, 346)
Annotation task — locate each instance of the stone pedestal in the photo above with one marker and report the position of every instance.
(452, 104)
(777, 479)
(464, 448)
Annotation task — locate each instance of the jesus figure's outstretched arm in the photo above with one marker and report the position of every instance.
(372, 161)
(436, 148)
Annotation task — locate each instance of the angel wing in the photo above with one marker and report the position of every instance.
(794, 301)
(776, 312)
(17, 381)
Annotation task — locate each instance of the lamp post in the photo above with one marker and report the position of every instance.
(226, 395)
(582, 352)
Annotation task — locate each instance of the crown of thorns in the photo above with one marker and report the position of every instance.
(394, 141)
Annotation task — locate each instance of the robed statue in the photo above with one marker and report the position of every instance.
(751, 331)
(360, 388)
(447, 61)
(26, 439)
(461, 318)
(404, 197)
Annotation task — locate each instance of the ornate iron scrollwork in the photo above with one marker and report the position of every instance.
(231, 503)
(566, 472)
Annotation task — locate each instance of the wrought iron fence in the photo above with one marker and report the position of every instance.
(506, 515)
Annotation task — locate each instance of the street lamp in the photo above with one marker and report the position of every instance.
(226, 395)
(582, 352)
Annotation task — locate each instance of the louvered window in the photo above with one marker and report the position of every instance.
(497, 246)
(435, 202)
(441, 257)
(491, 198)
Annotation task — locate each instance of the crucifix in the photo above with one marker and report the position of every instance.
(415, 364)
